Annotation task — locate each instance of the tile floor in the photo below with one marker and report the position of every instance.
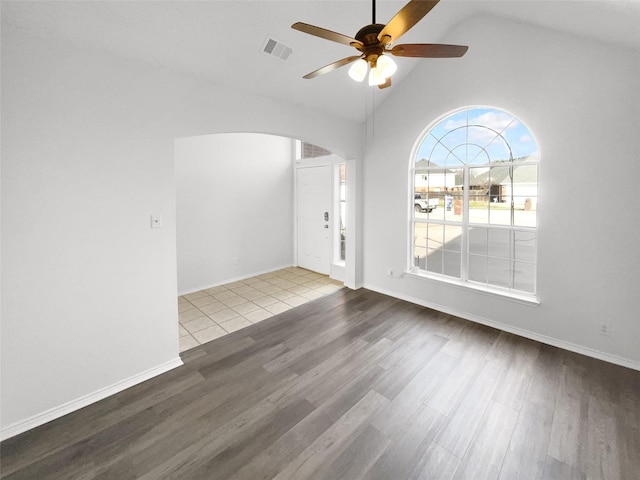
(211, 313)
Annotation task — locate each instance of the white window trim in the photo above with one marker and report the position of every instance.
(463, 282)
(514, 296)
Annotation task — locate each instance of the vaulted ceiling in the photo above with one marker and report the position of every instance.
(222, 41)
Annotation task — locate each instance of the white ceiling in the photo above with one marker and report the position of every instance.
(221, 41)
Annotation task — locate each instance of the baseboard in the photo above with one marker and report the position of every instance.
(68, 407)
(589, 352)
(231, 280)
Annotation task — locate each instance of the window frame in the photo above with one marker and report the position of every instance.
(467, 225)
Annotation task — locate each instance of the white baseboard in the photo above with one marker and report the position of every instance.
(231, 280)
(68, 407)
(589, 352)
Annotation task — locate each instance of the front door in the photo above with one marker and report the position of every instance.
(314, 225)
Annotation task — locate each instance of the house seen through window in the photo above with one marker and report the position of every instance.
(474, 201)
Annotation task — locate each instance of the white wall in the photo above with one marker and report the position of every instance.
(581, 100)
(88, 288)
(234, 201)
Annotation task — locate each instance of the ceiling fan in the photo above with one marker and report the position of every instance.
(374, 41)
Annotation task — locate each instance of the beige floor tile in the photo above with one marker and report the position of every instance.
(182, 300)
(266, 276)
(213, 307)
(313, 294)
(329, 288)
(283, 283)
(284, 295)
(209, 334)
(260, 284)
(187, 342)
(194, 295)
(296, 301)
(278, 308)
(183, 307)
(271, 289)
(198, 324)
(233, 301)
(223, 315)
(253, 295)
(215, 290)
(313, 275)
(233, 285)
(300, 289)
(265, 300)
(190, 315)
(243, 289)
(202, 301)
(225, 294)
(245, 307)
(235, 324)
(258, 315)
(300, 280)
(183, 331)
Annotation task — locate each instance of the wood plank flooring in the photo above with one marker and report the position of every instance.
(356, 385)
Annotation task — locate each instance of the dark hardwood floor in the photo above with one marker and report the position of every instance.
(354, 385)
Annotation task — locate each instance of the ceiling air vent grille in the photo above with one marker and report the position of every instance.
(276, 49)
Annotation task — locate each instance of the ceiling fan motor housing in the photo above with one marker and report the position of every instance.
(370, 46)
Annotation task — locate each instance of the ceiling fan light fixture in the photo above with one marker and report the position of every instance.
(386, 65)
(375, 77)
(358, 70)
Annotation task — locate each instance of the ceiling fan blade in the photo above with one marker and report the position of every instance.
(406, 18)
(324, 33)
(332, 66)
(386, 84)
(428, 50)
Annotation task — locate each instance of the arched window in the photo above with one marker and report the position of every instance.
(474, 201)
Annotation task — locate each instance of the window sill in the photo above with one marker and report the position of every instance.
(522, 298)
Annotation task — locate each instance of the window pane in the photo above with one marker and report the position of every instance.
(525, 246)
(524, 277)
(419, 201)
(452, 238)
(478, 268)
(525, 211)
(478, 241)
(425, 151)
(525, 179)
(499, 272)
(441, 156)
(419, 244)
(435, 236)
(478, 210)
(500, 244)
(430, 188)
(434, 261)
(452, 264)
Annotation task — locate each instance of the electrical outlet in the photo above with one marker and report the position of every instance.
(605, 329)
(156, 221)
(390, 272)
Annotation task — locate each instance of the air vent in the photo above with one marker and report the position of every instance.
(276, 49)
